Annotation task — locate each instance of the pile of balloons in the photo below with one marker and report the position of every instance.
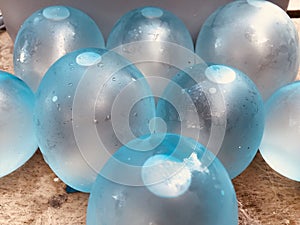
(145, 123)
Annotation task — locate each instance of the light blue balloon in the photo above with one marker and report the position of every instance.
(255, 36)
(218, 106)
(155, 40)
(280, 144)
(17, 139)
(175, 182)
(149, 24)
(89, 103)
(47, 35)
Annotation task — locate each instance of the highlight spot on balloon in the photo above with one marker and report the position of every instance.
(88, 59)
(165, 176)
(152, 13)
(257, 3)
(220, 74)
(56, 13)
(157, 125)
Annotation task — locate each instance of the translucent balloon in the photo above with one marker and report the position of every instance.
(47, 35)
(256, 37)
(221, 108)
(280, 144)
(177, 181)
(89, 103)
(17, 139)
(150, 37)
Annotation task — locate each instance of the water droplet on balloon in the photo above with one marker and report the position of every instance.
(55, 98)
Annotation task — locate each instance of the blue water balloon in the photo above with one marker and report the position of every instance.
(17, 139)
(47, 35)
(89, 103)
(220, 107)
(175, 181)
(150, 37)
(280, 143)
(256, 37)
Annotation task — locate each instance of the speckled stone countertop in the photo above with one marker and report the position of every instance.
(34, 195)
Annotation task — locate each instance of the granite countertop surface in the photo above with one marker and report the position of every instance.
(34, 195)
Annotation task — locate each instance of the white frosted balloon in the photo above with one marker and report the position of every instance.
(17, 139)
(89, 102)
(256, 37)
(280, 144)
(47, 35)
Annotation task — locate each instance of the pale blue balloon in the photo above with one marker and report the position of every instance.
(256, 37)
(155, 40)
(220, 107)
(280, 144)
(17, 139)
(176, 181)
(47, 35)
(149, 24)
(89, 103)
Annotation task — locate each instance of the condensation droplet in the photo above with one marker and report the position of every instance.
(55, 98)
